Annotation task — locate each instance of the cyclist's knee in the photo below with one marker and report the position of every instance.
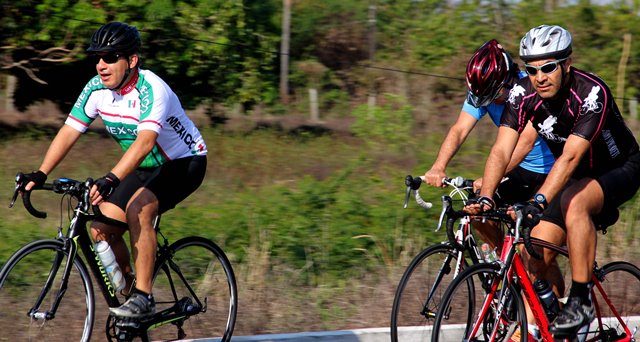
(109, 233)
(144, 202)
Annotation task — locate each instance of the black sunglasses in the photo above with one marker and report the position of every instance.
(108, 58)
(546, 68)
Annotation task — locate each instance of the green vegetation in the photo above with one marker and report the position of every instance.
(226, 54)
(313, 223)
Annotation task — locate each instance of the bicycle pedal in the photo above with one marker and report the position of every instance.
(186, 305)
(127, 323)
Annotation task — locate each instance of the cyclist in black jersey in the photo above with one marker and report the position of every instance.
(597, 159)
(490, 74)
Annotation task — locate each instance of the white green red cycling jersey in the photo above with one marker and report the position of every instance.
(145, 103)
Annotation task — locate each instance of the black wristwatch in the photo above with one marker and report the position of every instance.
(540, 199)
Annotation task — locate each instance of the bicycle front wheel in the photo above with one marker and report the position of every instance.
(30, 283)
(196, 272)
(469, 310)
(620, 282)
(420, 291)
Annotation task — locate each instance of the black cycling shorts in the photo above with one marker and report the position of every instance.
(618, 186)
(520, 186)
(171, 182)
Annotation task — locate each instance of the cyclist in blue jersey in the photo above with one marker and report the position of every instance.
(490, 72)
(597, 160)
(164, 158)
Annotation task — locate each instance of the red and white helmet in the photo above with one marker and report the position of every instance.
(488, 70)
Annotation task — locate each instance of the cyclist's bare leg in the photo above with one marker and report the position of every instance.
(490, 234)
(142, 210)
(114, 236)
(547, 268)
(580, 202)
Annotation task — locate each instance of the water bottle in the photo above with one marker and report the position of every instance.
(108, 259)
(488, 253)
(547, 297)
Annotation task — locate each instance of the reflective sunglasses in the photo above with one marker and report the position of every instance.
(480, 101)
(109, 58)
(546, 68)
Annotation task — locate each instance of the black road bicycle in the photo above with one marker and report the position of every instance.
(46, 292)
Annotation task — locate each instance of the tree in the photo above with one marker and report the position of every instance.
(208, 50)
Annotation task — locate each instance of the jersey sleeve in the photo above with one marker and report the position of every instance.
(85, 110)
(592, 114)
(477, 113)
(514, 115)
(153, 108)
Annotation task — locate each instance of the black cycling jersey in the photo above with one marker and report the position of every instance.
(583, 107)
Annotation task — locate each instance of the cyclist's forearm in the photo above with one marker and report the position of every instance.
(494, 170)
(450, 146)
(60, 146)
(498, 160)
(135, 154)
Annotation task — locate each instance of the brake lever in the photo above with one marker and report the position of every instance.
(15, 195)
(446, 204)
(406, 198)
(16, 191)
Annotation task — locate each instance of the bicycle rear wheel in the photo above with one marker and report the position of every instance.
(196, 264)
(620, 282)
(463, 305)
(420, 291)
(22, 282)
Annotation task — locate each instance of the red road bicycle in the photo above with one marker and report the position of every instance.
(481, 301)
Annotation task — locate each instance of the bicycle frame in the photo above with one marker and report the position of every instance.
(77, 238)
(509, 256)
(463, 234)
(517, 271)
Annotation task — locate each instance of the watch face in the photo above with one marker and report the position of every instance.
(540, 198)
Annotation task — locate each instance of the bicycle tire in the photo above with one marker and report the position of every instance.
(410, 320)
(22, 279)
(620, 281)
(462, 305)
(208, 271)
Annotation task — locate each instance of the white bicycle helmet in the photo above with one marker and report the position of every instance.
(544, 42)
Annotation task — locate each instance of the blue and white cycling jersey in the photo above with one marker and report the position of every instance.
(539, 160)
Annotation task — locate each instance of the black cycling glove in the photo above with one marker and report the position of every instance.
(532, 212)
(38, 177)
(107, 184)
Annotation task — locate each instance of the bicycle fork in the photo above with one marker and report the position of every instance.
(35, 313)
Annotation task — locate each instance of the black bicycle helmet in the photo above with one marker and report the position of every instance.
(116, 37)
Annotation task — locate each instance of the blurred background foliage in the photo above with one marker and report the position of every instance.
(227, 52)
(309, 210)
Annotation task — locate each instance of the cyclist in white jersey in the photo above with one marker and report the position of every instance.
(489, 71)
(164, 158)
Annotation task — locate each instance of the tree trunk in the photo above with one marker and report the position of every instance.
(284, 51)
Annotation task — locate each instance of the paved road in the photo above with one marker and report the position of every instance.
(358, 335)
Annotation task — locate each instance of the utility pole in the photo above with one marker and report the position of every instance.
(284, 51)
(372, 53)
(622, 67)
(372, 32)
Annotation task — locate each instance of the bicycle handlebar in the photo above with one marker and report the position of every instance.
(77, 189)
(460, 183)
(414, 183)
